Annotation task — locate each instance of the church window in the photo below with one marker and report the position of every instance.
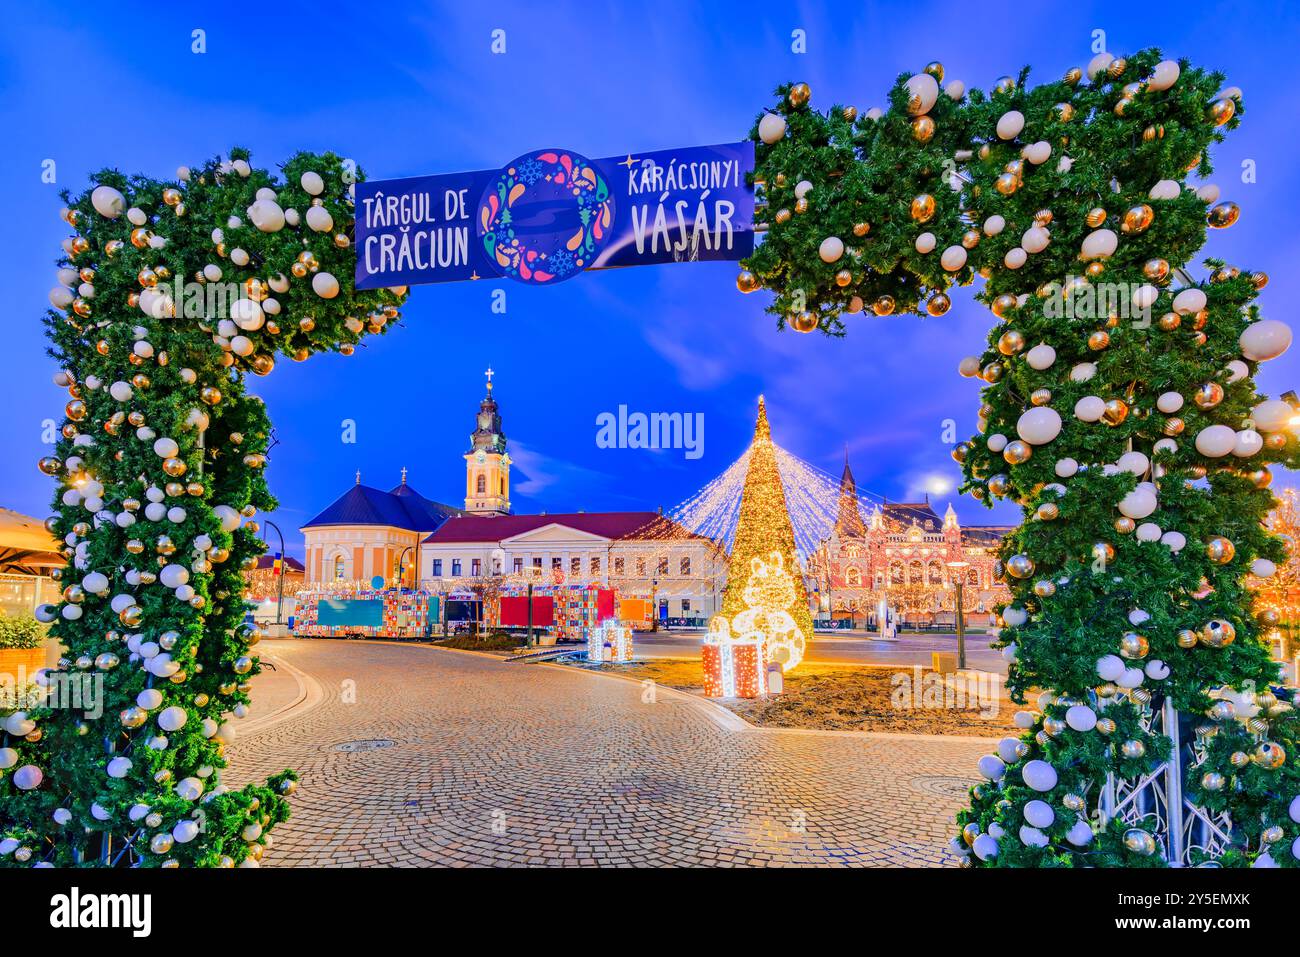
(501, 485)
(481, 486)
(852, 576)
(340, 568)
(896, 572)
(686, 566)
(437, 568)
(455, 567)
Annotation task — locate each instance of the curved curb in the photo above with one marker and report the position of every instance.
(310, 694)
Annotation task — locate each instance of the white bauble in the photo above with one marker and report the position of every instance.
(242, 346)
(121, 391)
(1080, 835)
(1215, 441)
(189, 789)
(1157, 670)
(1039, 425)
(925, 243)
(46, 613)
(1090, 408)
(155, 511)
(174, 576)
(1272, 415)
(1009, 750)
(1165, 189)
(1039, 813)
(922, 91)
(176, 514)
(1037, 153)
(1066, 467)
(1039, 775)
(185, 831)
(1176, 541)
(119, 767)
(271, 307)
(96, 583)
(1082, 372)
(173, 718)
(1032, 836)
(985, 847)
(1015, 258)
(325, 285)
(166, 448)
(1138, 503)
(1010, 124)
(969, 366)
(1097, 65)
(1081, 718)
(61, 297)
(771, 128)
(1014, 615)
(1169, 402)
(149, 699)
(1262, 568)
(319, 219)
(955, 90)
(184, 593)
(1265, 861)
(1164, 75)
(953, 258)
(239, 256)
(996, 442)
(227, 516)
(1189, 301)
(1099, 244)
(1131, 678)
(1110, 667)
(28, 777)
(1035, 239)
(994, 225)
(831, 249)
(992, 767)
(1266, 339)
(267, 215)
(312, 183)
(71, 612)
(802, 188)
(1040, 356)
(1145, 296)
(1024, 719)
(1135, 462)
(1293, 810)
(1248, 443)
(247, 314)
(107, 201)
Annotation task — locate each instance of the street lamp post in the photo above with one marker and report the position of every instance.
(961, 613)
(279, 599)
(400, 556)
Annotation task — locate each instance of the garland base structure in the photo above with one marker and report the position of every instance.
(1119, 411)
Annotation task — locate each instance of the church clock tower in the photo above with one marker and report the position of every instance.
(487, 464)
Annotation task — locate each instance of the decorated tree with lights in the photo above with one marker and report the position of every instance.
(168, 295)
(1120, 412)
(763, 529)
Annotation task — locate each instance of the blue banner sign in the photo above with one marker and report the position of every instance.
(552, 213)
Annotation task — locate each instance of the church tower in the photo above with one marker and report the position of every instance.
(487, 464)
(848, 523)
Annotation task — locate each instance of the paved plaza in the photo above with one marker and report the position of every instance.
(414, 756)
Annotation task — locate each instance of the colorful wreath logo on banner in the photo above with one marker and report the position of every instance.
(545, 217)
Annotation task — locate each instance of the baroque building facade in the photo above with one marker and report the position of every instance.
(903, 556)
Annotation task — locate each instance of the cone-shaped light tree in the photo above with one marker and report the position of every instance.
(168, 294)
(1120, 412)
(764, 528)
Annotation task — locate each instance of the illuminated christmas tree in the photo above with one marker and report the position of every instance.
(763, 528)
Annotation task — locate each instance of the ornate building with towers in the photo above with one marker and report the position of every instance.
(905, 555)
(487, 464)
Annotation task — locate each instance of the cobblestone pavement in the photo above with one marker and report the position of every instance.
(419, 757)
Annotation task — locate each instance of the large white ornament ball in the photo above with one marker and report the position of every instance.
(1039, 775)
(925, 243)
(1247, 443)
(312, 183)
(992, 767)
(1009, 749)
(1039, 425)
(1209, 193)
(267, 215)
(1023, 719)
(802, 188)
(1014, 616)
(1215, 441)
(28, 777)
(1189, 301)
(1032, 836)
(994, 225)
(1082, 371)
(1099, 244)
(185, 831)
(1175, 541)
(1157, 670)
(1040, 356)
(166, 448)
(1066, 467)
(242, 346)
(1164, 75)
(1262, 568)
(922, 91)
(325, 285)
(985, 847)
(1237, 370)
(1266, 339)
(247, 314)
(771, 128)
(953, 258)
(1138, 503)
(996, 442)
(1110, 667)
(955, 90)
(1038, 153)
(1080, 835)
(1165, 189)
(107, 201)
(174, 576)
(96, 583)
(120, 391)
(149, 699)
(1010, 124)
(1015, 258)
(190, 789)
(1090, 408)
(1039, 813)
(1081, 718)
(1035, 239)
(119, 767)
(1135, 463)
(172, 719)
(969, 366)
(1169, 402)
(227, 516)
(1272, 415)
(1097, 65)
(831, 249)
(319, 219)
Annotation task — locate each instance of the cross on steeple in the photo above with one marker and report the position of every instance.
(358, 476)
(489, 373)
(403, 474)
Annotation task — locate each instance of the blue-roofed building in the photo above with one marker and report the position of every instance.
(367, 532)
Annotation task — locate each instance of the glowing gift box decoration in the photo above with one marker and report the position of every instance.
(733, 667)
(610, 642)
(736, 653)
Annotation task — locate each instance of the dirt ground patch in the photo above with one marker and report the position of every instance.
(839, 698)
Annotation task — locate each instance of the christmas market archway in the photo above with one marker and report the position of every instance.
(1138, 449)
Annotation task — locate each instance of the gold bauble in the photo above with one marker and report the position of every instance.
(171, 196)
(861, 229)
(804, 321)
(843, 278)
(1122, 105)
(1116, 412)
(1220, 550)
(1005, 84)
(1133, 645)
(210, 394)
(1269, 754)
(1003, 304)
(1137, 219)
(1223, 215)
(1157, 270)
(1044, 588)
(174, 467)
(131, 616)
(1011, 342)
(1117, 68)
(1017, 452)
(970, 239)
(1007, 184)
(801, 206)
(1169, 321)
(1103, 552)
(922, 129)
(1208, 395)
(850, 113)
(1221, 111)
(1048, 511)
(1260, 478)
(75, 410)
(923, 207)
(1218, 633)
(1096, 216)
(1188, 638)
(1064, 112)
(140, 237)
(800, 94)
(1259, 279)
(1099, 340)
(1020, 566)
(938, 304)
(883, 306)
(1125, 525)
(746, 281)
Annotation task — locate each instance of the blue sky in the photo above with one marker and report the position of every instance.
(415, 89)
